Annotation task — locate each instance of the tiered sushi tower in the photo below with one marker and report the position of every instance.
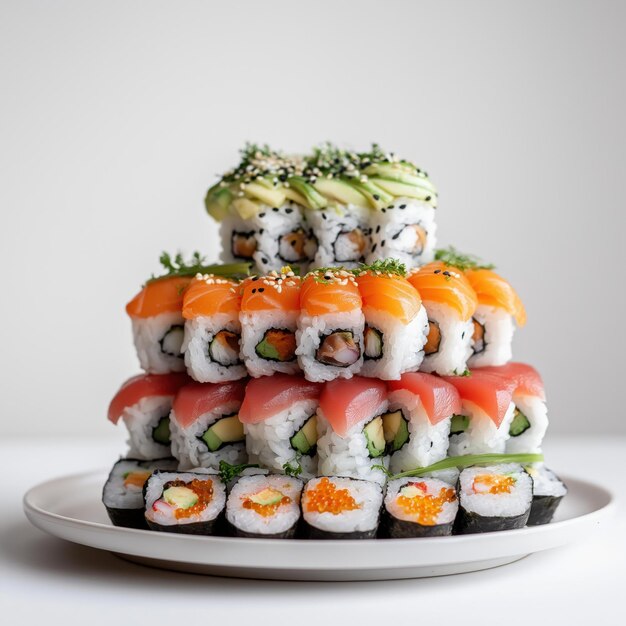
(337, 376)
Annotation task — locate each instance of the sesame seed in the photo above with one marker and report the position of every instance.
(437, 271)
(382, 243)
(374, 248)
(403, 206)
(377, 229)
(376, 197)
(254, 291)
(261, 214)
(261, 289)
(275, 209)
(288, 210)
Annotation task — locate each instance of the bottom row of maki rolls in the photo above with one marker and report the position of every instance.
(251, 502)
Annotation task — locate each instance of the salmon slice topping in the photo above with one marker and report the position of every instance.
(329, 292)
(493, 290)
(389, 293)
(211, 296)
(164, 295)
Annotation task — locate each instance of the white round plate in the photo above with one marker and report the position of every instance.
(70, 508)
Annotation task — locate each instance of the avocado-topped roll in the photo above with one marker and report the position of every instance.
(144, 403)
(205, 426)
(548, 491)
(185, 502)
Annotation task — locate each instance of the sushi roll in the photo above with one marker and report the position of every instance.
(351, 429)
(205, 427)
(279, 416)
(185, 502)
(497, 497)
(158, 324)
(144, 403)
(422, 405)
(487, 411)
(264, 506)
(341, 508)
(548, 491)
(396, 323)
(212, 330)
(450, 303)
(122, 494)
(270, 306)
(422, 507)
(330, 326)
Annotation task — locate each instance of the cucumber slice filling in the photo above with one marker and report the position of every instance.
(161, 432)
(305, 440)
(519, 425)
(225, 431)
(375, 437)
(459, 424)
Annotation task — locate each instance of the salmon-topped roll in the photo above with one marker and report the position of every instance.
(270, 306)
(450, 303)
(396, 324)
(330, 327)
(211, 308)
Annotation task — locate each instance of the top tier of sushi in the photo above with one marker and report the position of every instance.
(329, 207)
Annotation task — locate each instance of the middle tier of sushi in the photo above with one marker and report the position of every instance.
(376, 321)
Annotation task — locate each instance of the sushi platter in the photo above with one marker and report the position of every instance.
(332, 376)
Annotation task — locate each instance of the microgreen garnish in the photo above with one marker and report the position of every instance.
(176, 266)
(383, 469)
(228, 471)
(384, 266)
(292, 470)
(452, 257)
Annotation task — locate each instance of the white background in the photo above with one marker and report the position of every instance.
(116, 116)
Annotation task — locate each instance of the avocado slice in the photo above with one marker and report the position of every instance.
(375, 438)
(314, 199)
(218, 200)
(341, 192)
(396, 430)
(277, 345)
(180, 497)
(266, 497)
(273, 197)
(397, 172)
(409, 191)
(226, 430)
(519, 425)
(459, 424)
(377, 197)
(305, 440)
(161, 432)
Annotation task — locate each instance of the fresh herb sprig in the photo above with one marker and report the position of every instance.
(293, 470)
(228, 471)
(451, 256)
(384, 266)
(176, 266)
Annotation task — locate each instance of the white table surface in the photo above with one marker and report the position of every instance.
(44, 580)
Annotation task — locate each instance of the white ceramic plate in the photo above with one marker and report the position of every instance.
(70, 508)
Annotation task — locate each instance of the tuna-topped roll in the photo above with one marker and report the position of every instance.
(270, 306)
(279, 416)
(421, 407)
(330, 327)
(351, 429)
(205, 426)
(144, 403)
(492, 498)
(185, 502)
(396, 324)
(450, 303)
(212, 330)
(487, 410)
(530, 417)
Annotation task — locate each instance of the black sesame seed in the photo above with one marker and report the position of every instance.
(427, 198)
(463, 335)
(382, 243)
(275, 209)
(282, 178)
(446, 273)
(261, 230)
(261, 214)
(261, 289)
(294, 243)
(254, 291)
(390, 206)
(378, 228)
(288, 210)
(323, 216)
(376, 197)
(384, 210)
(255, 278)
(396, 236)
(403, 206)
(264, 260)
(374, 247)
(437, 271)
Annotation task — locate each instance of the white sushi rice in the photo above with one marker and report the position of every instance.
(482, 435)
(191, 451)
(158, 342)
(455, 347)
(140, 420)
(199, 333)
(403, 344)
(498, 337)
(248, 520)
(253, 328)
(427, 444)
(267, 442)
(531, 439)
(165, 516)
(433, 488)
(348, 455)
(510, 504)
(545, 481)
(394, 237)
(368, 496)
(311, 332)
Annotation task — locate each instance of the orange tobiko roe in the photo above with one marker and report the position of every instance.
(164, 295)
(319, 296)
(390, 294)
(265, 510)
(268, 293)
(202, 488)
(493, 290)
(326, 498)
(211, 296)
(492, 483)
(426, 508)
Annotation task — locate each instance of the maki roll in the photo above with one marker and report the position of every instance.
(205, 426)
(144, 403)
(212, 330)
(548, 491)
(279, 416)
(264, 506)
(450, 303)
(423, 507)
(122, 494)
(341, 508)
(158, 324)
(330, 327)
(396, 324)
(423, 406)
(185, 502)
(351, 429)
(270, 307)
(492, 498)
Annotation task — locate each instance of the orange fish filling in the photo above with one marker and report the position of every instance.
(425, 508)
(326, 498)
(492, 483)
(202, 488)
(433, 341)
(136, 479)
